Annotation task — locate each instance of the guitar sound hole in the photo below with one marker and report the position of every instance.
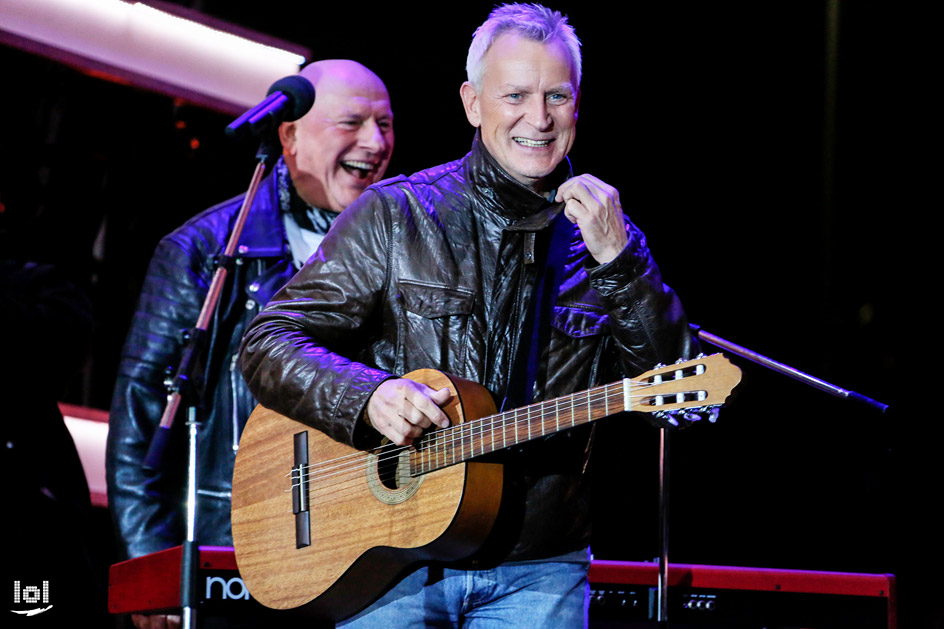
(388, 474)
(388, 467)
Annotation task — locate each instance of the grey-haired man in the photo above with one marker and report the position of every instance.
(450, 263)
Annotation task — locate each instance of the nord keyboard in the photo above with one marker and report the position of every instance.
(623, 594)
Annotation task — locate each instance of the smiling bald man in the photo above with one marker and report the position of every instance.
(329, 157)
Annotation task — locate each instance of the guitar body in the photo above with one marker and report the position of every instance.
(366, 525)
(323, 528)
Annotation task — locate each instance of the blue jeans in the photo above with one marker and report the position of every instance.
(549, 593)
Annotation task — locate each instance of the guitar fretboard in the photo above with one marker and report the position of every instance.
(459, 443)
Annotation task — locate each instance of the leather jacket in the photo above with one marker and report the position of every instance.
(147, 506)
(435, 270)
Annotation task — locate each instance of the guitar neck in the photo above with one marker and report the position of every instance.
(702, 382)
(459, 443)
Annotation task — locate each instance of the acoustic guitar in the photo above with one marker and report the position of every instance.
(324, 528)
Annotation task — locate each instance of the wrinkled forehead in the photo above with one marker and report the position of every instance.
(514, 55)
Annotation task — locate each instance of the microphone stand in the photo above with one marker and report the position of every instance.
(186, 386)
(781, 368)
(787, 370)
(662, 592)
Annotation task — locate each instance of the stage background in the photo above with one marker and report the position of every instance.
(806, 241)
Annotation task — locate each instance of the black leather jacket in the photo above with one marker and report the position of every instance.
(432, 271)
(147, 506)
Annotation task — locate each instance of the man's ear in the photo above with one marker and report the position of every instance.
(470, 100)
(287, 137)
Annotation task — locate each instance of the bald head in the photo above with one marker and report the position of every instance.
(323, 74)
(343, 144)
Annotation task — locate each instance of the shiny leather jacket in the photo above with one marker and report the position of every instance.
(146, 505)
(432, 271)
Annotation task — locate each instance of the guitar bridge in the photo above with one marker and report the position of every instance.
(300, 491)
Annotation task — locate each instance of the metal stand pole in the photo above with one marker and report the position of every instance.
(190, 551)
(186, 384)
(788, 371)
(662, 588)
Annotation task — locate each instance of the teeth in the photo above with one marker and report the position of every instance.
(534, 143)
(359, 169)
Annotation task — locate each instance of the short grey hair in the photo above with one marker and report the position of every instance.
(533, 21)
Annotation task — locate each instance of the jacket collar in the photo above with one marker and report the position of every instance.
(502, 194)
(264, 235)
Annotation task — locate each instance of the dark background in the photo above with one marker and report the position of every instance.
(801, 235)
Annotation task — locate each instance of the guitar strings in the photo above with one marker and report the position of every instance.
(443, 440)
(461, 433)
(455, 434)
(351, 467)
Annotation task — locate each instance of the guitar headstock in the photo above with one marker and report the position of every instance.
(700, 382)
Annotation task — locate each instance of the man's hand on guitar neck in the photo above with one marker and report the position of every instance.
(401, 409)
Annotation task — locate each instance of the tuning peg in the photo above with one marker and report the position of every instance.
(667, 417)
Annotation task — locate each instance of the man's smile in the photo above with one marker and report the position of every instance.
(358, 168)
(532, 143)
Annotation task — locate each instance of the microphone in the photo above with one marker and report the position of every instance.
(288, 99)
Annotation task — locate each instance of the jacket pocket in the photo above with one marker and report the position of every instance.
(435, 326)
(578, 340)
(434, 302)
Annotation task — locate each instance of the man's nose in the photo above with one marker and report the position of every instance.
(539, 116)
(372, 137)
